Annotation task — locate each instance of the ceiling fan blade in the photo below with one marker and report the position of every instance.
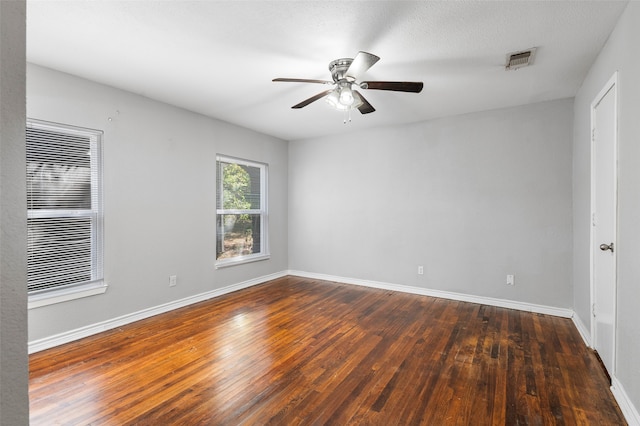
(302, 80)
(311, 99)
(396, 86)
(365, 107)
(361, 63)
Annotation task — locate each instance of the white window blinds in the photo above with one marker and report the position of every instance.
(64, 202)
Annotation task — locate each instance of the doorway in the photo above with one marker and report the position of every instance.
(604, 183)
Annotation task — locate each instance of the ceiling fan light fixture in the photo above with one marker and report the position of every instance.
(333, 99)
(346, 96)
(343, 99)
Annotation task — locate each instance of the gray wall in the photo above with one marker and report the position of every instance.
(14, 401)
(472, 198)
(159, 181)
(614, 56)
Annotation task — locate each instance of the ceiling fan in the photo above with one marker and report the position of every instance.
(347, 73)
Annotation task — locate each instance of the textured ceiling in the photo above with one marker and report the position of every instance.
(218, 57)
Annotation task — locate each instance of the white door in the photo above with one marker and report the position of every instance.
(603, 235)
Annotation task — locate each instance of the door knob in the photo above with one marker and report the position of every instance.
(605, 247)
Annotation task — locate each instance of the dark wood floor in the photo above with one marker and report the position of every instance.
(300, 351)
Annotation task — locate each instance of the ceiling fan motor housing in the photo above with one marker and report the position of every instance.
(339, 67)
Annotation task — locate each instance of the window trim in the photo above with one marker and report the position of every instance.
(263, 212)
(97, 285)
(59, 295)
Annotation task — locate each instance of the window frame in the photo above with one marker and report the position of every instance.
(96, 285)
(263, 212)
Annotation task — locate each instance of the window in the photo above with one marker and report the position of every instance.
(241, 211)
(64, 213)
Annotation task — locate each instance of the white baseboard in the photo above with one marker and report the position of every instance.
(79, 333)
(502, 303)
(583, 330)
(629, 411)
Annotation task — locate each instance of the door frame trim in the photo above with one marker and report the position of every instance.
(612, 84)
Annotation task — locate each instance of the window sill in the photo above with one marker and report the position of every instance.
(241, 260)
(64, 295)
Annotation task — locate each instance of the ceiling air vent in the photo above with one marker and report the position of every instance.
(520, 59)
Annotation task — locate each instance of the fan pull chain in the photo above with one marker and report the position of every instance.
(347, 116)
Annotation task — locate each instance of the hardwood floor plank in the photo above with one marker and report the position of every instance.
(301, 351)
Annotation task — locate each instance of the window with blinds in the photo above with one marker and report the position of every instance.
(241, 218)
(64, 202)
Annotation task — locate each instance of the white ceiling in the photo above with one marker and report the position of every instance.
(218, 57)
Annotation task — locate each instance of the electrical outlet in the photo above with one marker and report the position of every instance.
(173, 280)
(420, 270)
(511, 280)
